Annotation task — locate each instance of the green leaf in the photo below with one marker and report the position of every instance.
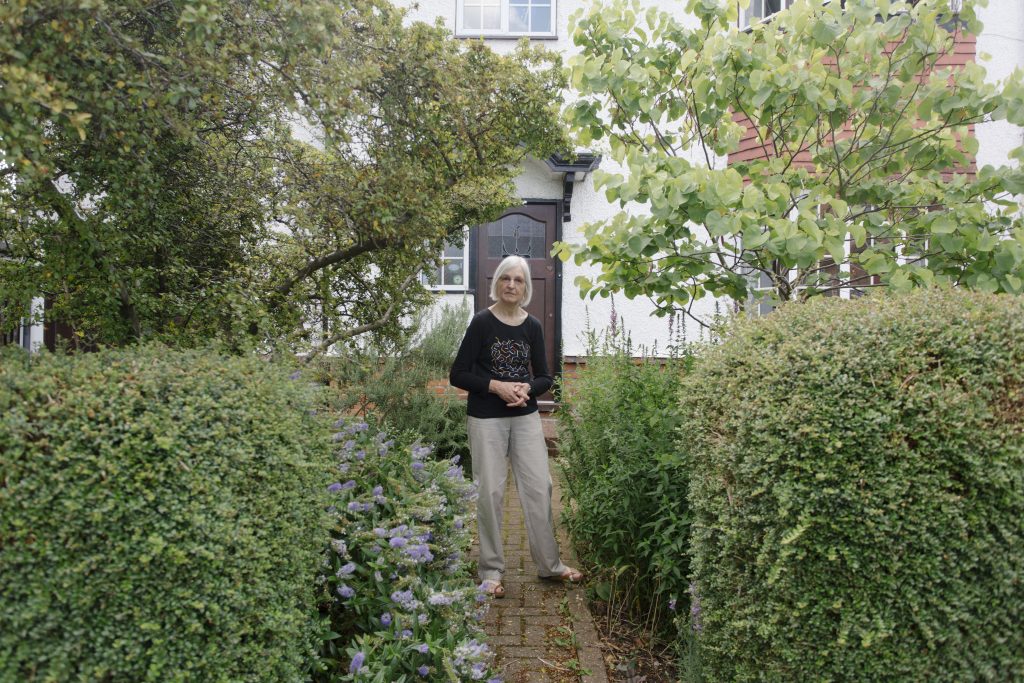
(859, 234)
(754, 238)
(728, 186)
(943, 225)
(636, 244)
(825, 31)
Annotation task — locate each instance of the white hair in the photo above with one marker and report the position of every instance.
(507, 264)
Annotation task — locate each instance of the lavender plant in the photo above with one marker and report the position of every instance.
(395, 585)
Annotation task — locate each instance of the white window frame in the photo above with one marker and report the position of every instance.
(759, 294)
(503, 30)
(747, 15)
(442, 259)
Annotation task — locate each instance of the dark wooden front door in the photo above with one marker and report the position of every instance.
(528, 231)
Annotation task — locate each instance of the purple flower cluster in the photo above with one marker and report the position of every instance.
(438, 599)
(357, 662)
(351, 427)
(471, 651)
(695, 611)
(419, 553)
(405, 599)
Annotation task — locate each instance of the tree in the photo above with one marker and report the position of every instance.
(862, 136)
(153, 186)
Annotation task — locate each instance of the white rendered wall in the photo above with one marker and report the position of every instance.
(1002, 39)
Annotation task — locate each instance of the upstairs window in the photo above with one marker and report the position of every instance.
(760, 10)
(501, 18)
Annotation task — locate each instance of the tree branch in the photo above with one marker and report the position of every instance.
(328, 260)
(367, 327)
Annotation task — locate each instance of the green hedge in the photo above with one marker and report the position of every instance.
(624, 479)
(163, 518)
(858, 492)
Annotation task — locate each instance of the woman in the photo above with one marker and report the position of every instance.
(493, 362)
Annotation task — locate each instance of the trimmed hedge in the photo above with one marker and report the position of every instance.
(163, 518)
(858, 491)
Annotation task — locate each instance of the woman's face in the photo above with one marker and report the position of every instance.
(512, 286)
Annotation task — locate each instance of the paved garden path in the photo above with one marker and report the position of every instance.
(542, 630)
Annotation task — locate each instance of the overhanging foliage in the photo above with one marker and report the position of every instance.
(153, 188)
(864, 151)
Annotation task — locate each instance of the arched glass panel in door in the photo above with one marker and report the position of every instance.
(516, 235)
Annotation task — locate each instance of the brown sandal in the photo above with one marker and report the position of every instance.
(570, 575)
(492, 588)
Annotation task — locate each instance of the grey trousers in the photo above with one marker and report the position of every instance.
(495, 443)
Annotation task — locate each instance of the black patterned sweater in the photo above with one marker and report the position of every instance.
(493, 350)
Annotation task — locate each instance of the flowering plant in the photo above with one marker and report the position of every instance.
(395, 586)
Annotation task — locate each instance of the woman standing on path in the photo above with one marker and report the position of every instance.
(493, 365)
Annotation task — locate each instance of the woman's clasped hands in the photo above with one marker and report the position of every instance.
(514, 394)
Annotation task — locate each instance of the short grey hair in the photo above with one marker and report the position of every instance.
(507, 264)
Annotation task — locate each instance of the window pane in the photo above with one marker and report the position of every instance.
(481, 14)
(771, 7)
(518, 19)
(453, 250)
(492, 18)
(453, 274)
(517, 234)
(541, 19)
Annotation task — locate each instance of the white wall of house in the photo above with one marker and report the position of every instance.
(1002, 41)
(30, 334)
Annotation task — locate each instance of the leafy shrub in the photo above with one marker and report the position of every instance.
(858, 491)
(628, 511)
(162, 515)
(390, 386)
(396, 586)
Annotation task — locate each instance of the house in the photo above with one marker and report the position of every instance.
(558, 193)
(559, 197)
